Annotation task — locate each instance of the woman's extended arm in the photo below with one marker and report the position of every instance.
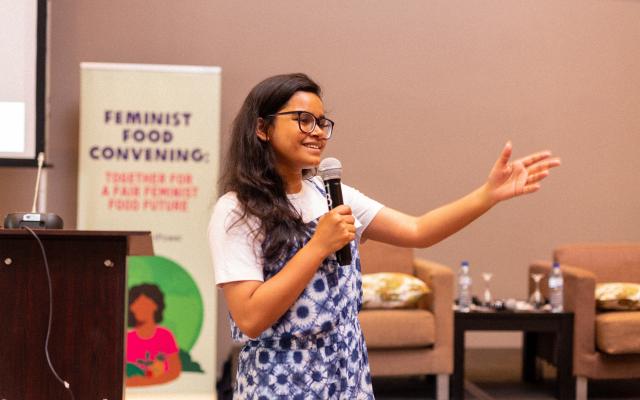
(506, 180)
(256, 305)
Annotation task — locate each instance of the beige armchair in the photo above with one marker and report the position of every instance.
(410, 341)
(606, 344)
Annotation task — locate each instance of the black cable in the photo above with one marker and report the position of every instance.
(46, 342)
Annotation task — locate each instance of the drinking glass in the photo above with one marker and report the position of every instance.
(536, 300)
(487, 298)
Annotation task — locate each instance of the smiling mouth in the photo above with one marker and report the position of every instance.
(312, 146)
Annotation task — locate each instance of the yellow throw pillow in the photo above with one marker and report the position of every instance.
(391, 290)
(618, 296)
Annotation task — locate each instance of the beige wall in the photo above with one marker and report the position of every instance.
(424, 93)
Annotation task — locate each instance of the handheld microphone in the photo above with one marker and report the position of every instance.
(330, 170)
(34, 219)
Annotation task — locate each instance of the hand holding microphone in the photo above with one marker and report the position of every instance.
(335, 230)
(339, 216)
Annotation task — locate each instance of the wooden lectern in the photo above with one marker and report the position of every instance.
(89, 288)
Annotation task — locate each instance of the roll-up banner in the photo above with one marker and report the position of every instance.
(149, 145)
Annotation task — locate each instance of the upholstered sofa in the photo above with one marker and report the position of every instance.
(416, 341)
(606, 344)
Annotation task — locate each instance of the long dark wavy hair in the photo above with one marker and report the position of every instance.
(250, 167)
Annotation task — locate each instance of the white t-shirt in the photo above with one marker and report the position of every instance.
(235, 255)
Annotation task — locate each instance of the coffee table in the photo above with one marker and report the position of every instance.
(537, 327)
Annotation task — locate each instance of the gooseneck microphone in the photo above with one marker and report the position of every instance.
(330, 171)
(34, 219)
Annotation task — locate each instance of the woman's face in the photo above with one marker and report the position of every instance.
(143, 309)
(294, 149)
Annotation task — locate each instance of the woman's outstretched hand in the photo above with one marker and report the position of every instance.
(522, 176)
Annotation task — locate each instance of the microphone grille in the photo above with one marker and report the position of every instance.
(330, 168)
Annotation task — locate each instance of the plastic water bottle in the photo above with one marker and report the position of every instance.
(556, 284)
(464, 288)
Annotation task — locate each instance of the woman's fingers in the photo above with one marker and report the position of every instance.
(531, 188)
(533, 178)
(343, 214)
(505, 155)
(342, 218)
(521, 176)
(535, 157)
(342, 209)
(336, 228)
(543, 166)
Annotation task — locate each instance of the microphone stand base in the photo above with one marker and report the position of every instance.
(33, 220)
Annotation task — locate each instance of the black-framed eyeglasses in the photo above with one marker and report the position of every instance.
(307, 123)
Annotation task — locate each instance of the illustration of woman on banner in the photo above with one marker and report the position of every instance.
(152, 351)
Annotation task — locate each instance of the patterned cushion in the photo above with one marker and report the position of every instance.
(391, 290)
(618, 296)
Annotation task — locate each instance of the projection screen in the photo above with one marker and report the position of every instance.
(22, 80)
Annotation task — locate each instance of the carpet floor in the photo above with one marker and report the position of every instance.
(492, 374)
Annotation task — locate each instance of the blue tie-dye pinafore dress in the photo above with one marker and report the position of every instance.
(316, 349)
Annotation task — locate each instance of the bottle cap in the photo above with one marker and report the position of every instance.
(465, 263)
(556, 264)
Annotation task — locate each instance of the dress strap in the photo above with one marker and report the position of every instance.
(318, 187)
